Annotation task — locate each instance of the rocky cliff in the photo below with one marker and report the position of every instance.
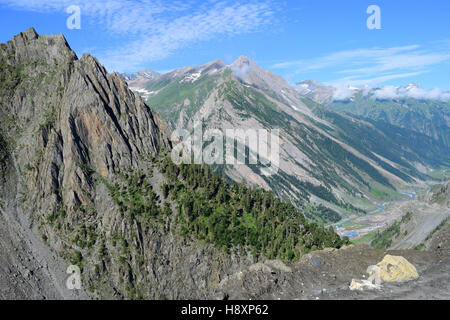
(82, 177)
(67, 129)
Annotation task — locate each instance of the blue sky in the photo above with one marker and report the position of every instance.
(323, 40)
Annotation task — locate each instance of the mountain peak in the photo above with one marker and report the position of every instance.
(29, 34)
(143, 75)
(30, 46)
(218, 62)
(412, 86)
(315, 90)
(249, 72)
(244, 61)
(213, 65)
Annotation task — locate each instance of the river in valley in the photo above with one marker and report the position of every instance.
(368, 222)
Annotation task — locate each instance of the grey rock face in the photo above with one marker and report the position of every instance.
(65, 120)
(67, 129)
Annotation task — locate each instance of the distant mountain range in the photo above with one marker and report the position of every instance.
(333, 163)
(326, 94)
(410, 107)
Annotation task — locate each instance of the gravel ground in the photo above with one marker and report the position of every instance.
(28, 268)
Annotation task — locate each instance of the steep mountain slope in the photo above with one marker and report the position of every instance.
(342, 162)
(63, 119)
(85, 180)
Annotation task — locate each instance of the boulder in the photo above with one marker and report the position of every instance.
(396, 268)
(390, 269)
(361, 285)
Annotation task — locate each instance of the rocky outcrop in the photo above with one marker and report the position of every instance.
(390, 269)
(70, 119)
(440, 194)
(69, 128)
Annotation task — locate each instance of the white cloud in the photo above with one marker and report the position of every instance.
(374, 65)
(387, 92)
(415, 92)
(219, 20)
(343, 93)
(345, 58)
(240, 71)
(158, 28)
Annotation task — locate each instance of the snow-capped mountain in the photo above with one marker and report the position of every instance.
(143, 74)
(316, 91)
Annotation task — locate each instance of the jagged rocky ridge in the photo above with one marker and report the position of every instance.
(79, 153)
(63, 120)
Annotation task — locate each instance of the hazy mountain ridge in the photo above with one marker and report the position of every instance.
(325, 94)
(410, 107)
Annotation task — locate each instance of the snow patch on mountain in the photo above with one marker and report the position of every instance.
(144, 93)
(191, 78)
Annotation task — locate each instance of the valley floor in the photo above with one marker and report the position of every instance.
(425, 218)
